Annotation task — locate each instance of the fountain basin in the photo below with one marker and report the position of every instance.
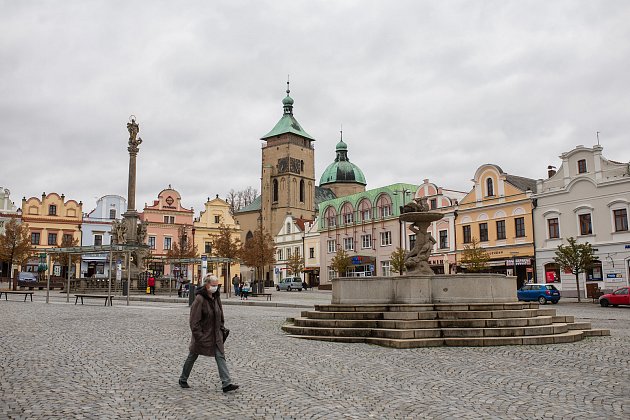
(421, 217)
(425, 289)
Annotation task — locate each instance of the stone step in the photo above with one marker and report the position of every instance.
(580, 326)
(563, 318)
(504, 332)
(427, 307)
(596, 332)
(568, 337)
(343, 315)
(362, 332)
(305, 321)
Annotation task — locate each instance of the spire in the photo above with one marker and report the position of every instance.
(287, 102)
(341, 148)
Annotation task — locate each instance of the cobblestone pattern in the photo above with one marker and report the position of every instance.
(67, 361)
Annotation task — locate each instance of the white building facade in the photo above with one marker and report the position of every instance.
(588, 198)
(95, 230)
(289, 241)
(8, 211)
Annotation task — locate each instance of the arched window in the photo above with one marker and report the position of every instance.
(384, 205)
(365, 210)
(249, 236)
(301, 191)
(347, 214)
(274, 196)
(330, 217)
(489, 187)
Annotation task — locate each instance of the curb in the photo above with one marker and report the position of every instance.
(224, 302)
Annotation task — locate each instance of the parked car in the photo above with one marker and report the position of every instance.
(290, 283)
(620, 296)
(539, 292)
(26, 277)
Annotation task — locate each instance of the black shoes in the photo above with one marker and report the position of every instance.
(185, 385)
(229, 388)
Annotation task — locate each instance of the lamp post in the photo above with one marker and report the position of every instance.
(403, 225)
(514, 254)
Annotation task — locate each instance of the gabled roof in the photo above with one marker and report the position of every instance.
(521, 183)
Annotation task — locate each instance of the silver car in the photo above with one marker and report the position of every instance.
(290, 283)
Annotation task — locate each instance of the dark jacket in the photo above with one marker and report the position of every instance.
(206, 321)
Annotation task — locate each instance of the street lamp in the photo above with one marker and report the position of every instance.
(514, 254)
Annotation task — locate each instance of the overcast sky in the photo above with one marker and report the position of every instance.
(423, 89)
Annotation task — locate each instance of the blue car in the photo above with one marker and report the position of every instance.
(542, 293)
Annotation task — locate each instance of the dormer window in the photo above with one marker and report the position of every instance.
(52, 210)
(112, 213)
(489, 187)
(581, 166)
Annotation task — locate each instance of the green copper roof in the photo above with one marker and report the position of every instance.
(288, 123)
(342, 170)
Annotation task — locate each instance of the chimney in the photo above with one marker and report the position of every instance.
(551, 171)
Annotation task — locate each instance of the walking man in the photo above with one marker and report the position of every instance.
(207, 326)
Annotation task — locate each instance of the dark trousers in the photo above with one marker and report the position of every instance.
(152, 289)
(224, 374)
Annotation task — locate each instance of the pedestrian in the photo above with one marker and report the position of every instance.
(207, 327)
(304, 285)
(245, 290)
(151, 283)
(235, 284)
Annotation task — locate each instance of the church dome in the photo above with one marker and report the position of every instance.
(342, 170)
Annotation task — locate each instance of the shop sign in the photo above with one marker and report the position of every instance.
(519, 261)
(627, 246)
(614, 276)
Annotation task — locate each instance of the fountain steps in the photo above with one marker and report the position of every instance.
(408, 326)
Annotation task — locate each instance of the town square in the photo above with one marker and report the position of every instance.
(294, 209)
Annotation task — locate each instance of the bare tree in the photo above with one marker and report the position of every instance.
(239, 199)
(259, 251)
(15, 245)
(227, 244)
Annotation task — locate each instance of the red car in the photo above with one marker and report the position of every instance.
(618, 297)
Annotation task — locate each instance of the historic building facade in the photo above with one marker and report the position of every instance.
(588, 198)
(497, 213)
(206, 227)
(289, 241)
(96, 230)
(51, 219)
(342, 176)
(166, 220)
(443, 257)
(311, 252)
(366, 226)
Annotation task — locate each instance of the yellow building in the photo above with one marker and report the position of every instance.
(497, 213)
(50, 220)
(207, 226)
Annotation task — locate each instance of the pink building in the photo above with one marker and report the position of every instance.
(168, 223)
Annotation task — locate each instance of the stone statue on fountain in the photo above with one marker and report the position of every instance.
(418, 214)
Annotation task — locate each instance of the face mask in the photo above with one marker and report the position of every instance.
(213, 289)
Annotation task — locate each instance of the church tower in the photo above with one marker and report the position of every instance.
(288, 171)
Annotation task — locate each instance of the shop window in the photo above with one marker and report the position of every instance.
(595, 272)
(552, 273)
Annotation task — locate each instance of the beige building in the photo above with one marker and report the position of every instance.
(51, 219)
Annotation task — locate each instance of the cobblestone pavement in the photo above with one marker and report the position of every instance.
(67, 361)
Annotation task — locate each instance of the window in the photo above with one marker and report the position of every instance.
(331, 273)
(112, 214)
(386, 238)
(386, 210)
(169, 219)
(581, 166)
(52, 239)
(168, 243)
(311, 252)
(466, 234)
(443, 239)
(433, 203)
(288, 227)
(152, 242)
(594, 273)
(52, 210)
(288, 253)
(67, 238)
(386, 268)
(621, 220)
(332, 245)
(489, 187)
(483, 231)
(412, 240)
(274, 196)
(365, 215)
(280, 254)
(296, 250)
(98, 240)
(553, 228)
(519, 226)
(217, 219)
(330, 217)
(208, 248)
(348, 218)
(302, 188)
(586, 227)
(500, 229)
(366, 241)
(35, 238)
(348, 244)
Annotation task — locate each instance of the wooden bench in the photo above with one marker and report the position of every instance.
(107, 298)
(267, 295)
(16, 292)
